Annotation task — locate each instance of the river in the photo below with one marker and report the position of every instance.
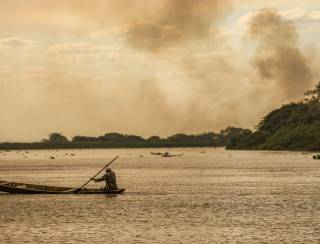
(208, 195)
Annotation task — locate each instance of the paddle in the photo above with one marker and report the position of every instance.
(79, 189)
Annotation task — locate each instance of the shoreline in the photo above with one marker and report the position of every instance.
(35, 146)
(42, 146)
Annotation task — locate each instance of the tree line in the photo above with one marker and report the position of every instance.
(117, 140)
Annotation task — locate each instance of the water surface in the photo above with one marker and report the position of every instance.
(207, 196)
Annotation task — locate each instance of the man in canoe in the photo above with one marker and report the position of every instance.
(110, 178)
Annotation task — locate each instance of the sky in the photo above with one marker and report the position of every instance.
(147, 67)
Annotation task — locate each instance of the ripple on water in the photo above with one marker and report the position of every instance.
(213, 197)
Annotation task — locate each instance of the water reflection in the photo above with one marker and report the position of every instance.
(211, 197)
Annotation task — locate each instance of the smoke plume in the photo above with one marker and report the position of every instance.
(139, 67)
(176, 22)
(278, 56)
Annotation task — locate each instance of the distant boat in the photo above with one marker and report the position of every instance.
(22, 188)
(316, 156)
(166, 154)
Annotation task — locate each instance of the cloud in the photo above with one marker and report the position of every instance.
(77, 48)
(315, 15)
(301, 15)
(82, 52)
(297, 15)
(294, 14)
(15, 42)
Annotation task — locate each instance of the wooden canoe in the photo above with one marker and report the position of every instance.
(22, 188)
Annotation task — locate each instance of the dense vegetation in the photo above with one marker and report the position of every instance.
(295, 126)
(116, 140)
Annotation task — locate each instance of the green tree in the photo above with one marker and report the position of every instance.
(154, 139)
(55, 138)
(294, 126)
(315, 93)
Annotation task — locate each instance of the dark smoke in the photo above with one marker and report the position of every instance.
(177, 21)
(278, 56)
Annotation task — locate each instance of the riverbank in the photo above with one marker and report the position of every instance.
(97, 145)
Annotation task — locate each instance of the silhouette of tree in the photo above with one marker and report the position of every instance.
(55, 138)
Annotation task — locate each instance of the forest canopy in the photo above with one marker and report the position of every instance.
(294, 126)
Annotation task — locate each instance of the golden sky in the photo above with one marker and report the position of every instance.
(148, 67)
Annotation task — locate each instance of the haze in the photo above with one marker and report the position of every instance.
(88, 67)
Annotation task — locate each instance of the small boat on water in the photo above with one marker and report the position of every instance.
(316, 157)
(166, 154)
(22, 188)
